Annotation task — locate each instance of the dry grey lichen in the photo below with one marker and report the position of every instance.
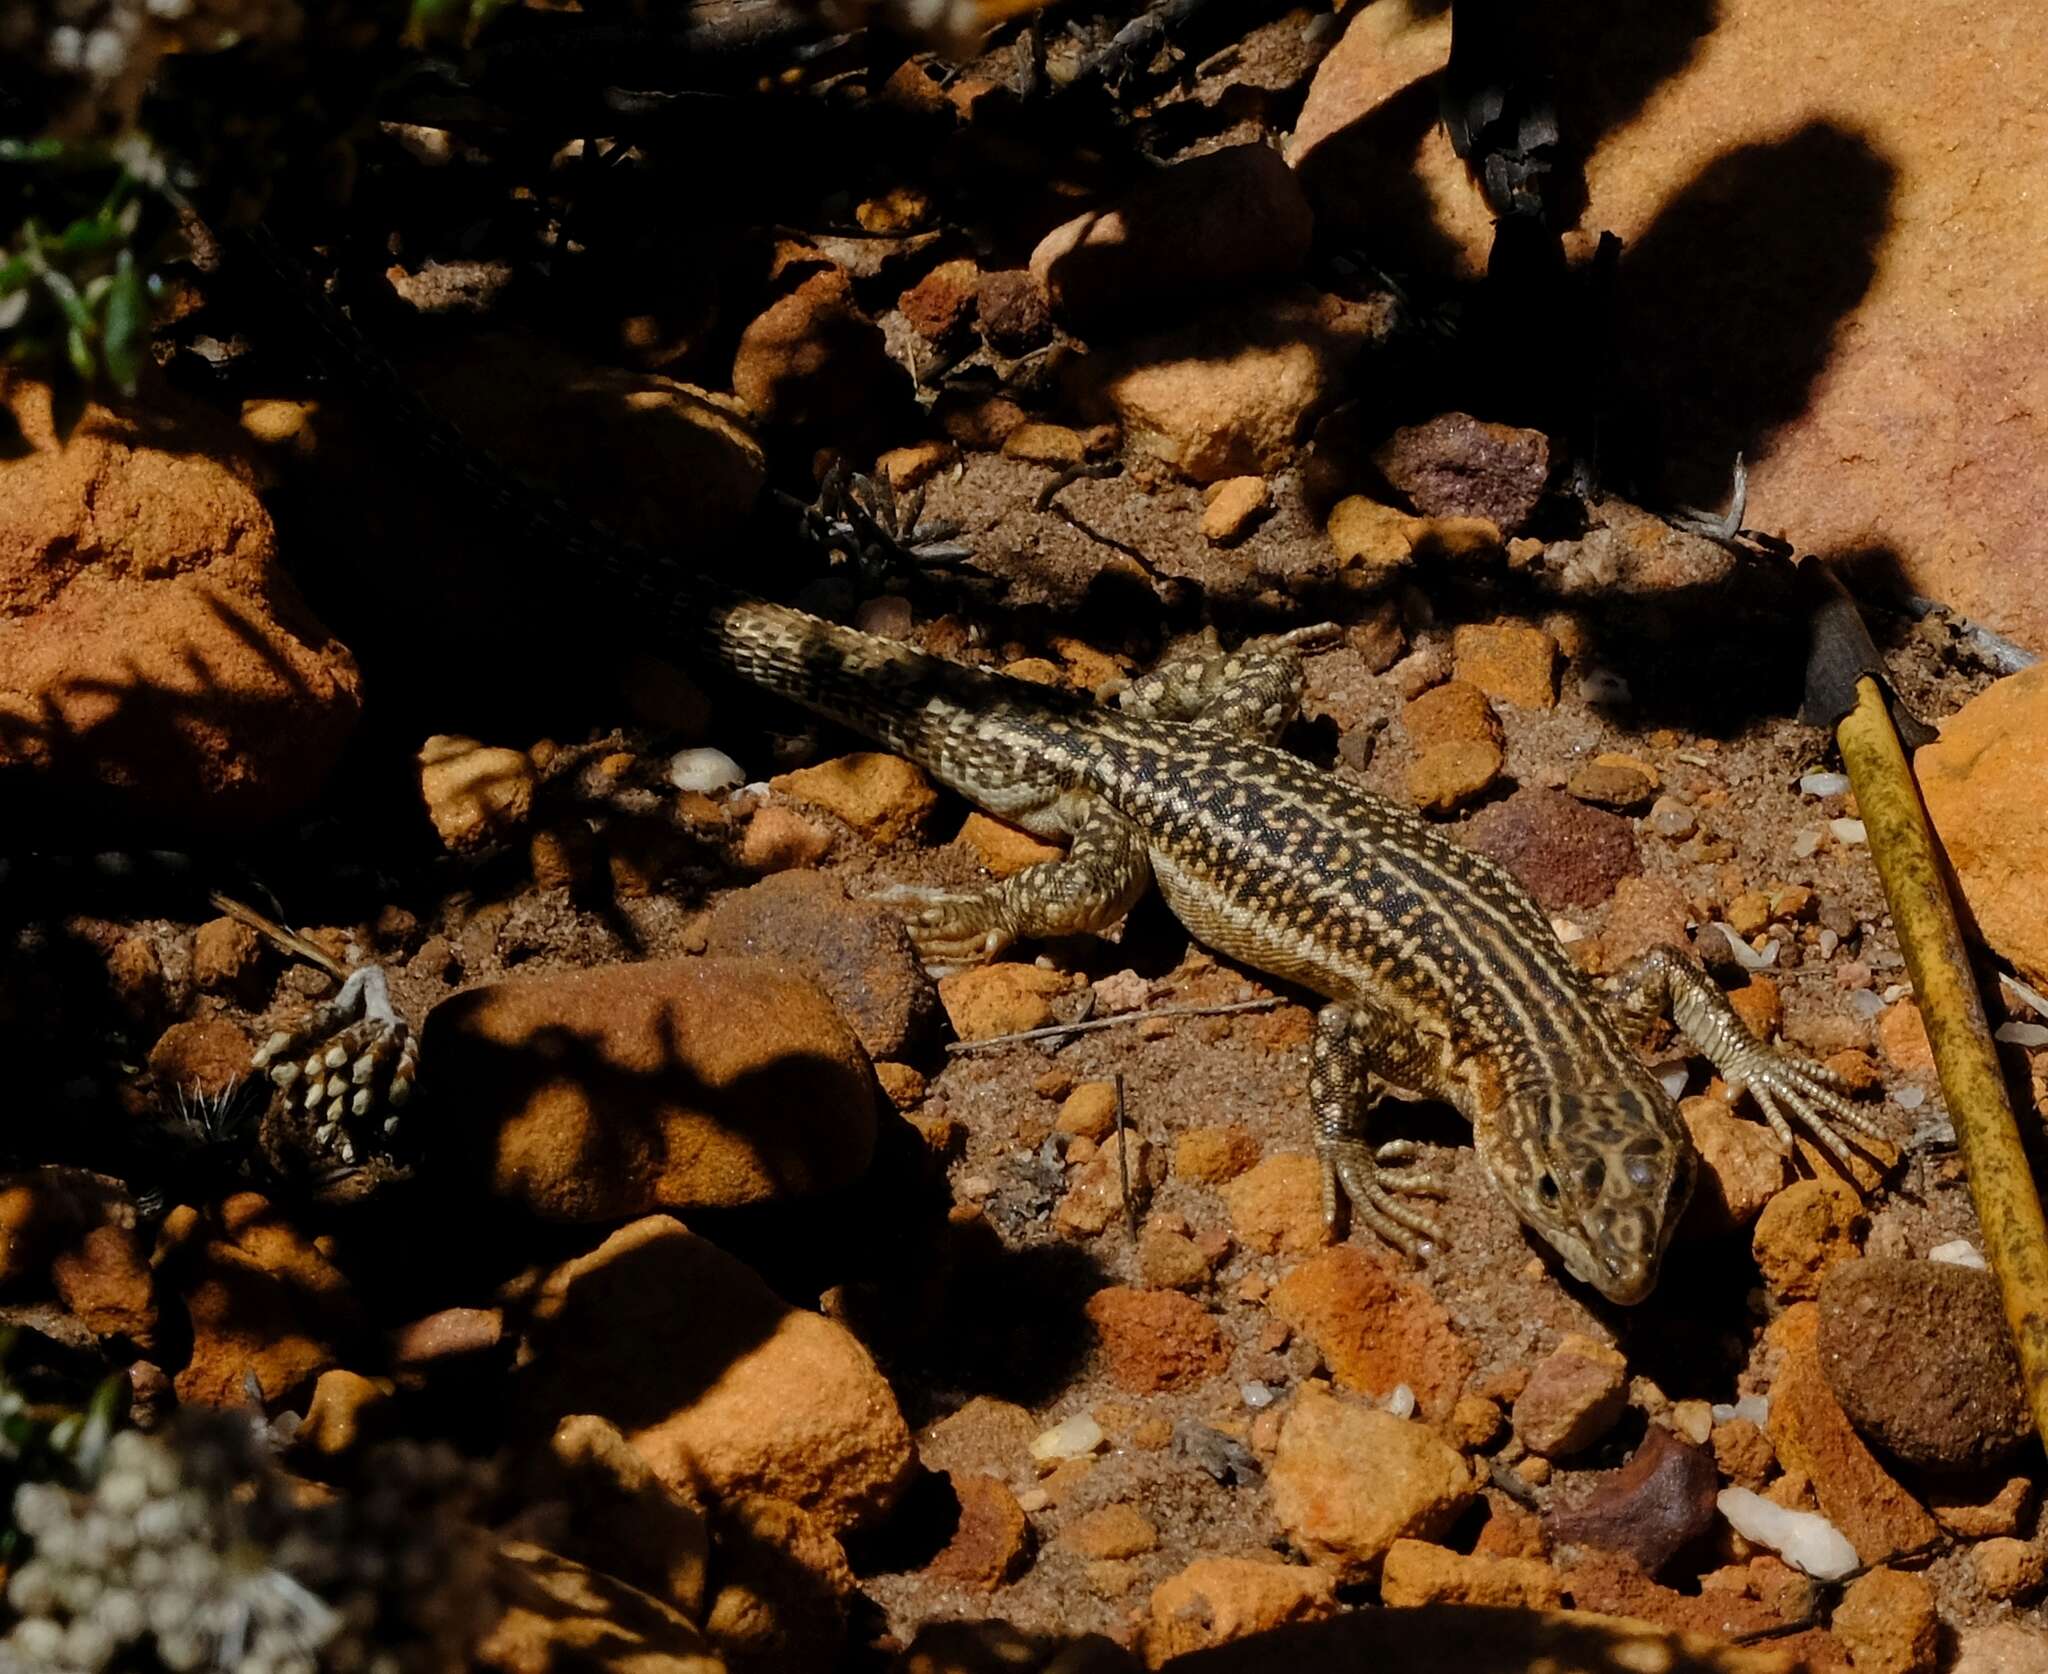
(194, 1548)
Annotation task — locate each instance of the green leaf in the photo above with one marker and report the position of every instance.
(127, 325)
(78, 350)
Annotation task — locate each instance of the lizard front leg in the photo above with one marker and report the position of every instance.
(1665, 982)
(1357, 1055)
(1100, 878)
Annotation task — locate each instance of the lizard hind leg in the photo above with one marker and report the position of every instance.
(1099, 879)
(1253, 692)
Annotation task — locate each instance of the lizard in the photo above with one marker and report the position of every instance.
(1441, 977)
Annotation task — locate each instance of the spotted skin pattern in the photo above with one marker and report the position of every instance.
(1444, 979)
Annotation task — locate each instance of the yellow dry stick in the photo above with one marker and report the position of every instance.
(1908, 865)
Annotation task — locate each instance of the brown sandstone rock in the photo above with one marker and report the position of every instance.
(711, 1376)
(595, 1094)
(153, 656)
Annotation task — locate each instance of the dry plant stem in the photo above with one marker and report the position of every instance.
(1053, 1031)
(1908, 864)
(290, 940)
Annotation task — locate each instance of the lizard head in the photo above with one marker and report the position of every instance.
(1600, 1174)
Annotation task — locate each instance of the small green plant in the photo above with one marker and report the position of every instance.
(76, 272)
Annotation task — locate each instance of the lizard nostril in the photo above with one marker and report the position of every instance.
(1547, 1186)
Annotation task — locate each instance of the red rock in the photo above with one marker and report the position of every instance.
(814, 360)
(710, 1375)
(1985, 783)
(152, 652)
(1154, 1340)
(1375, 1329)
(1814, 1437)
(1111, 1531)
(855, 951)
(1445, 777)
(1970, 1512)
(1650, 1508)
(885, 798)
(1003, 999)
(1214, 1155)
(1457, 712)
(1919, 1355)
(1231, 506)
(104, 1280)
(477, 797)
(1741, 1167)
(1229, 393)
(1563, 852)
(784, 1590)
(2009, 1569)
(1216, 1601)
(779, 840)
(1012, 313)
(228, 957)
(1348, 1481)
(1457, 466)
(1214, 222)
(1887, 1621)
(1004, 849)
(1613, 782)
(692, 1082)
(991, 1539)
(940, 304)
(1276, 1207)
(344, 1409)
(1511, 661)
(1809, 1227)
(1573, 1397)
(452, 1338)
(263, 1301)
(1096, 1198)
(1419, 1573)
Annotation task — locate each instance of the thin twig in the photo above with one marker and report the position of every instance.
(290, 940)
(1123, 1162)
(1053, 1031)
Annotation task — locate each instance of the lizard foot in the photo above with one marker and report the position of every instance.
(352, 1062)
(1813, 1095)
(1373, 1183)
(952, 929)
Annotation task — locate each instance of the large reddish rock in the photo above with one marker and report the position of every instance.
(1832, 250)
(1986, 781)
(713, 1378)
(814, 359)
(673, 1084)
(153, 656)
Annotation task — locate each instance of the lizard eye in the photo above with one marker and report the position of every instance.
(1640, 1172)
(1595, 1175)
